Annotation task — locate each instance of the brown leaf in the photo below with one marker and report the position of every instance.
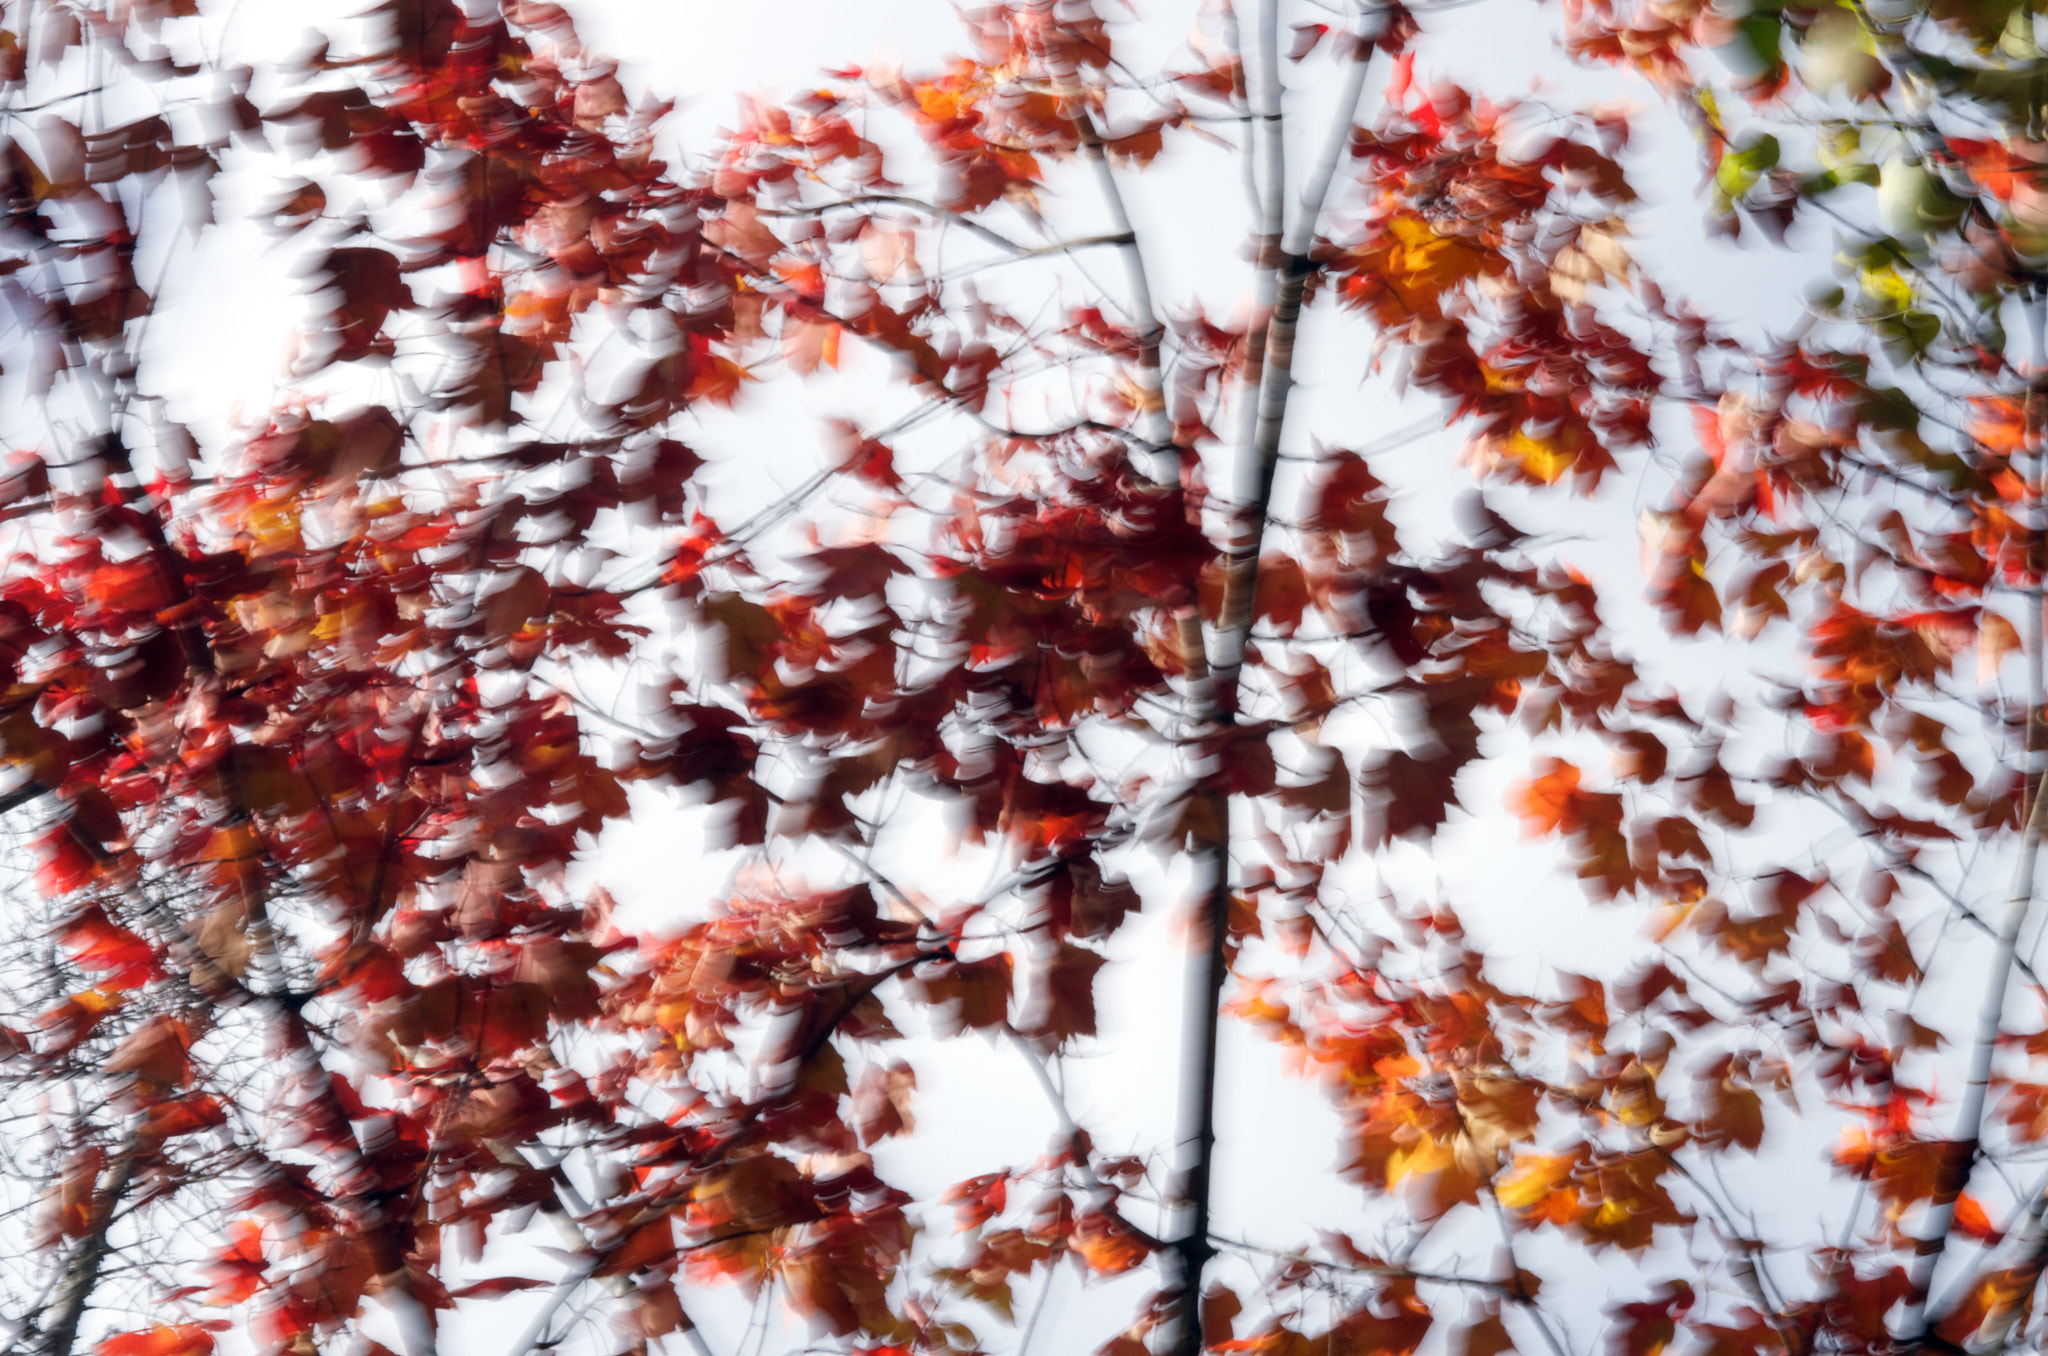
(155, 1053)
(512, 598)
(881, 1102)
(1487, 1337)
(1220, 1308)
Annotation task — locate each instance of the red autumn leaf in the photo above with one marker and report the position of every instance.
(120, 958)
(978, 1200)
(497, 1285)
(1306, 38)
(871, 459)
(1062, 1004)
(1647, 1327)
(186, 1116)
(1283, 593)
(972, 994)
(511, 599)
(65, 868)
(648, 1243)
(881, 1102)
(1220, 1308)
(1688, 598)
(183, 1339)
(76, 1017)
(714, 379)
(808, 345)
(1488, 1337)
(658, 1310)
(236, 1274)
(134, 585)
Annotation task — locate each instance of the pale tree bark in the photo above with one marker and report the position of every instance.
(1923, 1316)
(1285, 265)
(563, 1213)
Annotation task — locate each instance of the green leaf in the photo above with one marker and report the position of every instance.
(1742, 167)
(1912, 201)
(1757, 51)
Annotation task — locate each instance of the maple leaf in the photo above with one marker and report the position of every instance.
(1545, 801)
(1647, 1327)
(979, 1199)
(1107, 1245)
(1971, 1221)
(646, 1244)
(506, 1285)
(882, 1102)
(1488, 1337)
(1731, 1114)
(122, 959)
(1532, 1179)
(155, 1052)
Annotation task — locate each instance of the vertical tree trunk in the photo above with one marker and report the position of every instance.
(82, 1268)
(1923, 1316)
(1213, 692)
(1193, 1248)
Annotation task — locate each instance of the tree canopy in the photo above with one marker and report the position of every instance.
(1065, 676)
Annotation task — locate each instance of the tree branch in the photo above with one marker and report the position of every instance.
(82, 1268)
(1257, 464)
(1921, 1319)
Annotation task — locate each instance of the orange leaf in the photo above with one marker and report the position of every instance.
(1996, 638)
(129, 585)
(237, 1273)
(1545, 801)
(644, 1245)
(1971, 1222)
(808, 345)
(978, 1200)
(1106, 1245)
(714, 379)
(2000, 425)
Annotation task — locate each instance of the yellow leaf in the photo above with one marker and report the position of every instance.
(274, 523)
(1428, 1155)
(1887, 285)
(1545, 458)
(1533, 1177)
(1423, 261)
